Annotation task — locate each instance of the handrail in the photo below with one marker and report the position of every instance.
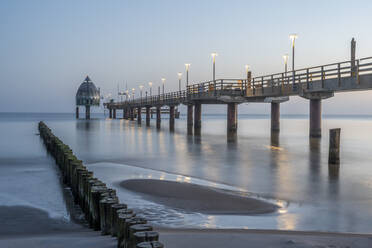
(258, 84)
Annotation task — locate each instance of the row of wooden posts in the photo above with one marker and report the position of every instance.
(101, 206)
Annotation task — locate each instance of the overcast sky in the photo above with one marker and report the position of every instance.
(48, 47)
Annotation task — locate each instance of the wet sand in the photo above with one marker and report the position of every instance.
(33, 228)
(197, 198)
(238, 238)
(22, 226)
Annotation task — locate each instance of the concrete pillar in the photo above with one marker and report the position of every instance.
(197, 119)
(114, 113)
(275, 117)
(315, 118)
(232, 118)
(190, 110)
(125, 113)
(87, 112)
(77, 112)
(158, 117)
(147, 116)
(171, 118)
(110, 113)
(132, 114)
(139, 115)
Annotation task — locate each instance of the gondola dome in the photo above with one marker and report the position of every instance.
(87, 93)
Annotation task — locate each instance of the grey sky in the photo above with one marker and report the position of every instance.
(48, 47)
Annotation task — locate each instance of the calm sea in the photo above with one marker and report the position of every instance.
(290, 169)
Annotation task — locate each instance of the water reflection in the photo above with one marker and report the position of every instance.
(289, 167)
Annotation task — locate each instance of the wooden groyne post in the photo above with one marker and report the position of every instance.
(334, 146)
(99, 203)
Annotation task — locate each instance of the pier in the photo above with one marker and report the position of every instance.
(313, 83)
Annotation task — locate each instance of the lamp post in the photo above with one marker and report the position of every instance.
(187, 74)
(285, 57)
(214, 65)
(141, 87)
(179, 80)
(150, 84)
(163, 81)
(133, 89)
(293, 38)
(246, 70)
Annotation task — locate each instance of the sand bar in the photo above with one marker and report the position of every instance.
(197, 198)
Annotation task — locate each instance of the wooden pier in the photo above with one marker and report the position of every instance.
(313, 83)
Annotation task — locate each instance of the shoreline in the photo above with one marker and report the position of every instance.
(57, 234)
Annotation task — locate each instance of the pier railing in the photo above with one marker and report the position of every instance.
(278, 84)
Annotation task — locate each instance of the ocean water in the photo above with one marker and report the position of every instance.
(289, 169)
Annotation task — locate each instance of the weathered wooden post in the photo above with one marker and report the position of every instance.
(334, 146)
(114, 217)
(131, 243)
(122, 219)
(105, 214)
(146, 236)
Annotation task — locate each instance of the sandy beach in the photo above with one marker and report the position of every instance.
(29, 227)
(197, 198)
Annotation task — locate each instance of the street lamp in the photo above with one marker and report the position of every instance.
(133, 89)
(141, 87)
(187, 74)
(163, 81)
(214, 65)
(246, 70)
(150, 84)
(293, 38)
(285, 57)
(179, 80)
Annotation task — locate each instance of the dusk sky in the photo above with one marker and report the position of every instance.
(48, 47)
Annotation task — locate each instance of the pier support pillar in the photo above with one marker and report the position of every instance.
(232, 120)
(197, 119)
(110, 113)
(132, 114)
(125, 113)
(315, 118)
(139, 115)
(114, 113)
(158, 117)
(190, 110)
(77, 112)
(171, 118)
(316, 110)
(87, 112)
(147, 116)
(275, 117)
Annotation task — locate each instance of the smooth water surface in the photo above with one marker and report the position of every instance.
(289, 169)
